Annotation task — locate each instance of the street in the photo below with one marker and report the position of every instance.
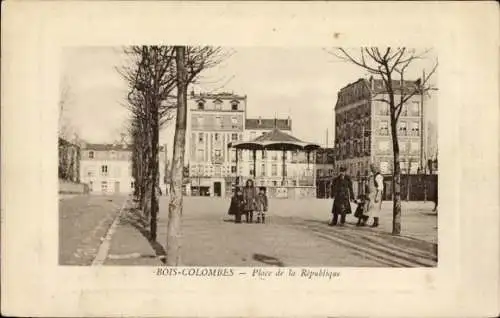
(83, 222)
(296, 234)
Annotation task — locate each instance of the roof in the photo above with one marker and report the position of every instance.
(111, 147)
(268, 123)
(363, 88)
(107, 147)
(221, 95)
(277, 135)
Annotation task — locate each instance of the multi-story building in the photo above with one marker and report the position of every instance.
(215, 120)
(325, 171)
(107, 168)
(363, 133)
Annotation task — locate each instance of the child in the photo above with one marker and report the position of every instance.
(362, 202)
(236, 207)
(261, 205)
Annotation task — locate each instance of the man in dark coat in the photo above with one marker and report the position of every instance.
(343, 195)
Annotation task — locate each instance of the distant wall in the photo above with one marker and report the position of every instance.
(68, 187)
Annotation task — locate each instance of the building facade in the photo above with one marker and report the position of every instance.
(107, 168)
(215, 120)
(363, 131)
(325, 172)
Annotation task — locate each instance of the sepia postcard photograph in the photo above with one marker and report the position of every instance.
(278, 163)
(249, 159)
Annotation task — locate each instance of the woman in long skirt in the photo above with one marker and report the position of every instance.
(249, 200)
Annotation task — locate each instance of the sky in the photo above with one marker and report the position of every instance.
(298, 82)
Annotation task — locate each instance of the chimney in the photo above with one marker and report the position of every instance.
(288, 121)
(260, 120)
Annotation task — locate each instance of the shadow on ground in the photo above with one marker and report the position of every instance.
(133, 217)
(269, 260)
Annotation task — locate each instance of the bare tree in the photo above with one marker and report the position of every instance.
(190, 62)
(152, 74)
(391, 65)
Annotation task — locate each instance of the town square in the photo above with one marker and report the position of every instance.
(288, 170)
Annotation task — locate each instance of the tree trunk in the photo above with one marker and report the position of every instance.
(154, 173)
(174, 234)
(396, 180)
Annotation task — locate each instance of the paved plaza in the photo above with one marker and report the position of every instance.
(296, 234)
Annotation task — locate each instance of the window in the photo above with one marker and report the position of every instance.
(91, 186)
(251, 172)
(383, 145)
(104, 170)
(383, 109)
(264, 154)
(414, 146)
(113, 155)
(402, 146)
(234, 137)
(384, 167)
(402, 128)
(384, 128)
(233, 169)
(216, 137)
(91, 155)
(218, 121)
(414, 129)
(274, 170)
(218, 104)
(403, 165)
(104, 186)
(200, 137)
(234, 106)
(233, 155)
(415, 109)
(404, 110)
(252, 135)
(274, 155)
(263, 170)
(218, 154)
(200, 154)
(234, 122)
(132, 184)
(201, 105)
(199, 121)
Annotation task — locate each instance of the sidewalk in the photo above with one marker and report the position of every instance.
(130, 244)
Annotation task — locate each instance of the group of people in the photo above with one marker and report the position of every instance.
(369, 203)
(246, 201)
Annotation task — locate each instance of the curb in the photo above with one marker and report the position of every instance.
(102, 252)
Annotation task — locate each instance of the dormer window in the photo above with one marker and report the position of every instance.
(234, 105)
(91, 155)
(218, 104)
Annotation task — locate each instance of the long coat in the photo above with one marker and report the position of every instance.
(236, 206)
(343, 193)
(249, 198)
(373, 208)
